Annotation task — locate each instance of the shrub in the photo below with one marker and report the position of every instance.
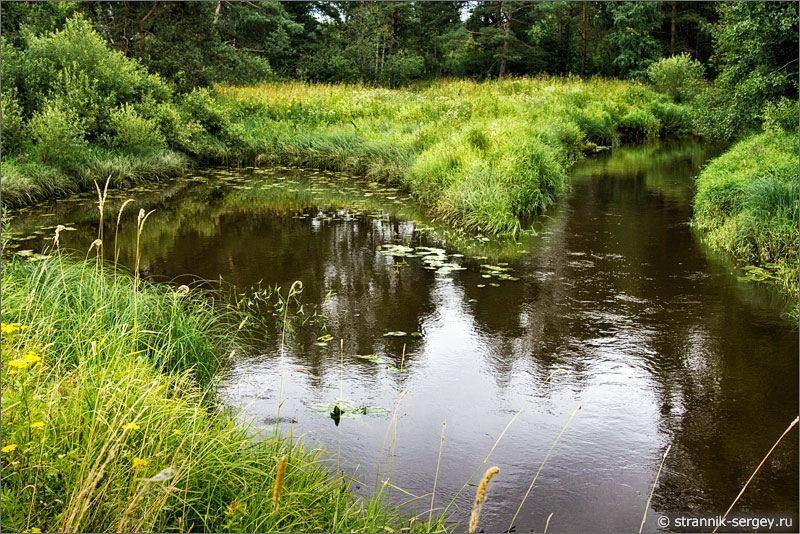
(402, 67)
(132, 133)
(781, 114)
(676, 119)
(14, 131)
(179, 132)
(679, 76)
(59, 133)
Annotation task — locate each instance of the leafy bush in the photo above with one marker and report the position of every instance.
(132, 133)
(14, 131)
(676, 119)
(72, 56)
(781, 114)
(679, 76)
(59, 134)
(178, 131)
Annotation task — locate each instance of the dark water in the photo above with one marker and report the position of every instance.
(661, 343)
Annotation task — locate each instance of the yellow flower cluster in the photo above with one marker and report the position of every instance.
(131, 426)
(10, 328)
(137, 462)
(9, 448)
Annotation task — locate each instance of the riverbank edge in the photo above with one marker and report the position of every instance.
(746, 206)
(109, 418)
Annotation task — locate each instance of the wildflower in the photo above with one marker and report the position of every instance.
(177, 432)
(139, 462)
(38, 425)
(9, 448)
(131, 426)
(31, 357)
(19, 364)
(35, 530)
(8, 329)
(12, 371)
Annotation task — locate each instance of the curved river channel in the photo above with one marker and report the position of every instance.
(654, 336)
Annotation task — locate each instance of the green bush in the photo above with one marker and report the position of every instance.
(179, 132)
(679, 76)
(14, 132)
(59, 134)
(402, 67)
(781, 114)
(676, 119)
(132, 133)
(80, 51)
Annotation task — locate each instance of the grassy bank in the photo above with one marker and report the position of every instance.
(747, 205)
(108, 424)
(478, 156)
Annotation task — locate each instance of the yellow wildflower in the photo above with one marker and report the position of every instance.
(35, 530)
(139, 462)
(8, 329)
(177, 432)
(8, 448)
(38, 425)
(131, 426)
(31, 357)
(12, 371)
(19, 364)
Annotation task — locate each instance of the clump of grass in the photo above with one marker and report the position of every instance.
(747, 205)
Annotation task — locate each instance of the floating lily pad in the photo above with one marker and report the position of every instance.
(396, 333)
(371, 357)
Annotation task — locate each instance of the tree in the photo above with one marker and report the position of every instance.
(634, 23)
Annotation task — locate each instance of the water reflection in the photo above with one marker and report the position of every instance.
(662, 344)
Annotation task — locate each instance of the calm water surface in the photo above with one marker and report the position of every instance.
(660, 341)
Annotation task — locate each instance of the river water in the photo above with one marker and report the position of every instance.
(652, 335)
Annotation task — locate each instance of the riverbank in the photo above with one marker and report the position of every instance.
(109, 423)
(747, 205)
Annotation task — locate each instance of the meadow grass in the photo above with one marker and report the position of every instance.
(107, 427)
(747, 205)
(477, 156)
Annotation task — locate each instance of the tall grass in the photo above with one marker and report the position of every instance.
(110, 428)
(747, 205)
(477, 155)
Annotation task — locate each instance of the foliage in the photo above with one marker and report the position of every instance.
(756, 56)
(634, 23)
(59, 132)
(132, 133)
(747, 203)
(679, 76)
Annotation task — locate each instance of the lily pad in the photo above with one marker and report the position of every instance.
(396, 333)
(371, 357)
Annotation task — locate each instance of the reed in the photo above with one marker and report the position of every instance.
(653, 489)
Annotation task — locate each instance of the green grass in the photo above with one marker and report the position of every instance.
(747, 205)
(109, 423)
(30, 181)
(478, 156)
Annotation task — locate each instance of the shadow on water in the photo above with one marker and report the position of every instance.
(663, 343)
